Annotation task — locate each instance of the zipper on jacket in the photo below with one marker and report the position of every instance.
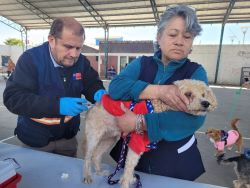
(164, 70)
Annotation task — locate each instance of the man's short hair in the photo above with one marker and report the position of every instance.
(66, 22)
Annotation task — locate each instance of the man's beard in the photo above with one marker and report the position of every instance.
(65, 64)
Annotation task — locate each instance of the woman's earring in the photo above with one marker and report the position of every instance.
(190, 51)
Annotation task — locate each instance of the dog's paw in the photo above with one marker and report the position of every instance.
(236, 183)
(229, 148)
(220, 158)
(103, 173)
(87, 180)
(219, 154)
(133, 180)
(125, 182)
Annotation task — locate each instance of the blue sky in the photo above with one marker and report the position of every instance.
(210, 34)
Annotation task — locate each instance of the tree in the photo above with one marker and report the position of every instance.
(14, 42)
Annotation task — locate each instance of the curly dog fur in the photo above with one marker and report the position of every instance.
(101, 131)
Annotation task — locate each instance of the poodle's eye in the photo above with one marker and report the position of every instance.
(188, 94)
(203, 94)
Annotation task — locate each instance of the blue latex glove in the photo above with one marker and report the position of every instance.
(98, 94)
(70, 106)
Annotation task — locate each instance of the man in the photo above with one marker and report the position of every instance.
(45, 90)
(10, 67)
(246, 84)
(111, 72)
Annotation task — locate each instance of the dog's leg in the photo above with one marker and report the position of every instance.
(229, 148)
(219, 153)
(130, 164)
(103, 146)
(91, 145)
(87, 165)
(239, 143)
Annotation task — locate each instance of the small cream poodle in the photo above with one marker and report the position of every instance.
(101, 130)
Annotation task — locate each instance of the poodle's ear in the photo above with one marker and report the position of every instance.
(180, 84)
(177, 82)
(211, 97)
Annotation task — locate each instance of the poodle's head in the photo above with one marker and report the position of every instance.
(201, 96)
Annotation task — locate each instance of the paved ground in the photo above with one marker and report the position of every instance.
(231, 104)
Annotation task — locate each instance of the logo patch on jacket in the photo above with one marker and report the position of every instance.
(77, 76)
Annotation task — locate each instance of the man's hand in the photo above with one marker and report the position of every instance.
(171, 95)
(70, 106)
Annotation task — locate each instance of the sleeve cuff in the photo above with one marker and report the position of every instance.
(98, 94)
(153, 127)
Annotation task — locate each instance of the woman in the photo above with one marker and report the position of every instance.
(177, 154)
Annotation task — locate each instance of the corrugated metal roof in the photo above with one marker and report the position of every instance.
(38, 14)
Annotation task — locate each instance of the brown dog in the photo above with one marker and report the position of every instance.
(222, 139)
(101, 130)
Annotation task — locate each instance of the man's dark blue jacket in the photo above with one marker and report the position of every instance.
(33, 92)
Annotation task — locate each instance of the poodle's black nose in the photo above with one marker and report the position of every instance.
(205, 104)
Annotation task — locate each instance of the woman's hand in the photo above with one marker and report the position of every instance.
(126, 122)
(171, 95)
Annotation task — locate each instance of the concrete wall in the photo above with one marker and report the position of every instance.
(233, 58)
(205, 55)
(13, 51)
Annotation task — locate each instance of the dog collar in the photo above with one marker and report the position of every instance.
(224, 135)
(149, 106)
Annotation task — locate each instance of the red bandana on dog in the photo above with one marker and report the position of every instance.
(138, 143)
